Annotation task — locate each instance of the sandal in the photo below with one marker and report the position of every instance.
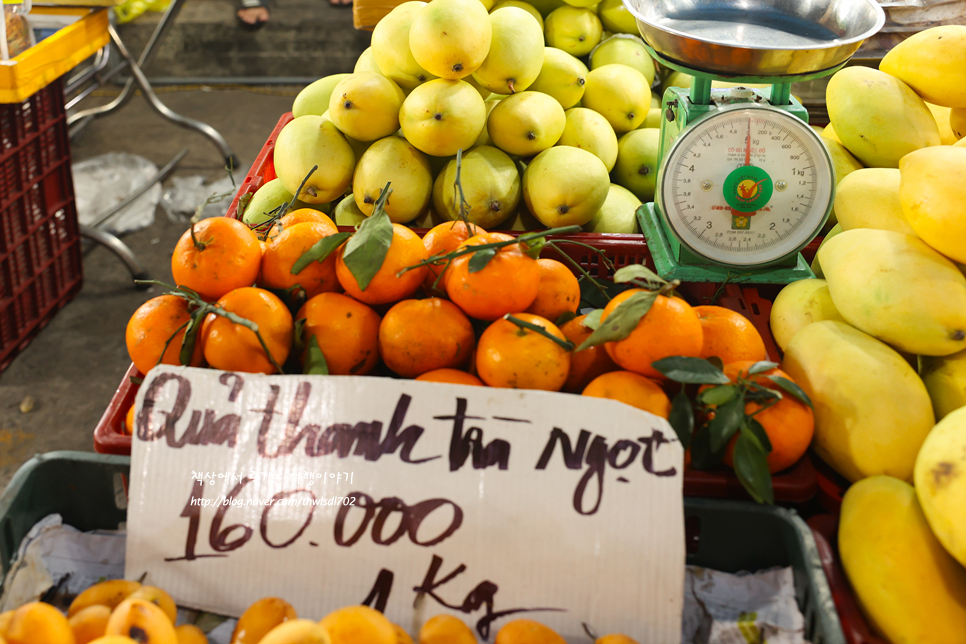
(248, 5)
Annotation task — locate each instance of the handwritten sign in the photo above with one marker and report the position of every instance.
(414, 498)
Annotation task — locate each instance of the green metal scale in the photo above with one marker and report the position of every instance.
(744, 184)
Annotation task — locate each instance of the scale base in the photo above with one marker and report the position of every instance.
(670, 268)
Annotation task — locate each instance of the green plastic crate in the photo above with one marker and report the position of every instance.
(732, 536)
(84, 488)
(88, 491)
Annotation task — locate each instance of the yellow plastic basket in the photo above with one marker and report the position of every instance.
(25, 75)
(76, 3)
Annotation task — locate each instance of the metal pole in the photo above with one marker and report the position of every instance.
(164, 25)
(231, 159)
(700, 90)
(119, 248)
(781, 94)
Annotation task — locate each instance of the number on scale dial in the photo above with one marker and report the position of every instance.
(746, 186)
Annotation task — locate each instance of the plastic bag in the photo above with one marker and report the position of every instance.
(182, 199)
(19, 35)
(722, 608)
(102, 182)
(131, 9)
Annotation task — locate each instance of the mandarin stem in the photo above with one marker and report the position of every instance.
(567, 345)
(467, 250)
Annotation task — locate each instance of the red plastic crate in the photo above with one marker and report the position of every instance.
(831, 487)
(809, 251)
(40, 253)
(854, 626)
(263, 168)
(109, 436)
(795, 485)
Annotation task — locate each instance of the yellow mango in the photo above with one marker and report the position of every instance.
(798, 305)
(896, 288)
(940, 478)
(816, 265)
(869, 198)
(829, 133)
(933, 196)
(931, 62)
(877, 117)
(909, 588)
(310, 141)
(843, 164)
(941, 114)
(957, 123)
(842, 159)
(945, 379)
(872, 411)
(314, 98)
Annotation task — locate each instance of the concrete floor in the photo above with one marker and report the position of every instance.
(303, 39)
(74, 365)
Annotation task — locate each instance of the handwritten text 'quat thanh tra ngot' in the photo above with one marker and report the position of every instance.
(365, 438)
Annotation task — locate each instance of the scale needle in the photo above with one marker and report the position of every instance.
(748, 144)
(735, 213)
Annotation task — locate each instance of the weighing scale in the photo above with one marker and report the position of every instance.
(744, 184)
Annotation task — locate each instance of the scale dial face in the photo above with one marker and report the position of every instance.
(746, 186)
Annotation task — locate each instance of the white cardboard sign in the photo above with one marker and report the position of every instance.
(416, 498)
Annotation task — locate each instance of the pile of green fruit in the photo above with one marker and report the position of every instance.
(533, 97)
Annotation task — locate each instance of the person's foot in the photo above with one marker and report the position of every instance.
(340, 3)
(253, 16)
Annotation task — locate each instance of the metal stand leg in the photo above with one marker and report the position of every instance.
(164, 25)
(119, 248)
(231, 159)
(110, 240)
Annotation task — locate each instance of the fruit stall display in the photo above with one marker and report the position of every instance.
(434, 214)
(875, 343)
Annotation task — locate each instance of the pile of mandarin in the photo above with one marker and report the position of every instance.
(438, 322)
(119, 611)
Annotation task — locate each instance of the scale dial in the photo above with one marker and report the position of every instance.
(746, 186)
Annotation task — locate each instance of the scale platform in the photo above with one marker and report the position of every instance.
(767, 39)
(670, 269)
